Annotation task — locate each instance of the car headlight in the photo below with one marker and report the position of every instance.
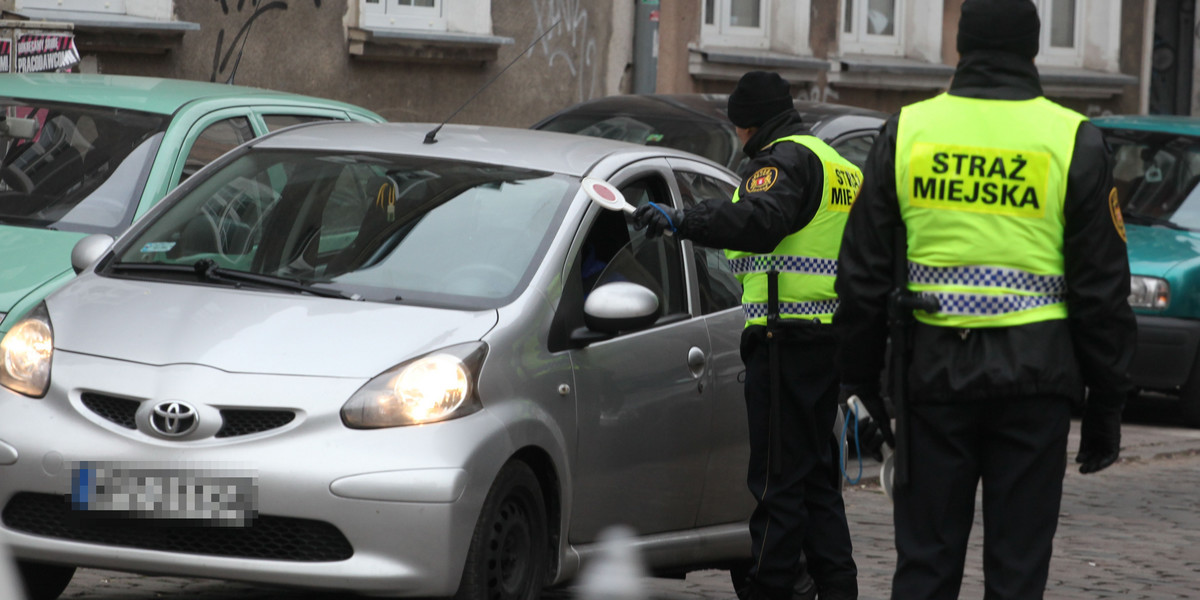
(1149, 292)
(434, 387)
(25, 354)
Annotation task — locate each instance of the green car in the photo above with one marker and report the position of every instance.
(87, 154)
(1156, 169)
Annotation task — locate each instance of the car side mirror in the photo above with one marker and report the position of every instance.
(620, 306)
(89, 250)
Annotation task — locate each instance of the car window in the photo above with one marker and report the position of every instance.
(719, 287)
(55, 157)
(216, 139)
(408, 229)
(1155, 175)
(615, 251)
(274, 122)
(855, 148)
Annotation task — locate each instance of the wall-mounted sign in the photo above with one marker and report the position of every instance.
(5, 54)
(36, 52)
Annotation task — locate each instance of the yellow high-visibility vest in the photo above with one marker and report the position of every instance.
(807, 259)
(981, 185)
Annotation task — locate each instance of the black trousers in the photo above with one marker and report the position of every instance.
(800, 513)
(1017, 447)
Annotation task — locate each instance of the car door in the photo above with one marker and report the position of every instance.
(718, 292)
(642, 396)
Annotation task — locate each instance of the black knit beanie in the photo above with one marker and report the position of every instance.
(759, 95)
(1004, 25)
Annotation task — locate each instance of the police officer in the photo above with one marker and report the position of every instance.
(1007, 206)
(787, 216)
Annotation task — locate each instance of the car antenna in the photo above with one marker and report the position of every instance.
(431, 137)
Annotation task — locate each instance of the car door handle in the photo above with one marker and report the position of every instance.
(696, 361)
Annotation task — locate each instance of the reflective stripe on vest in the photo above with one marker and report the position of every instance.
(1040, 290)
(807, 259)
(784, 264)
(807, 310)
(981, 185)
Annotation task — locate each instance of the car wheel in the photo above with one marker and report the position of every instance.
(509, 550)
(42, 581)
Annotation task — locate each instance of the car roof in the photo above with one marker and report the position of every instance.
(704, 106)
(147, 94)
(1159, 123)
(524, 148)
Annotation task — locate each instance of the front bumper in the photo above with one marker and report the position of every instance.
(403, 501)
(1166, 352)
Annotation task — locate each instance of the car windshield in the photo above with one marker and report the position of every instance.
(713, 142)
(73, 167)
(1155, 174)
(385, 228)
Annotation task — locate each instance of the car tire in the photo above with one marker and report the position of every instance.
(510, 548)
(43, 581)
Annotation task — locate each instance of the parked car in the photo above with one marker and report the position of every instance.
(1156, 169)
(83, 154)
(340, 357)
(698, 124)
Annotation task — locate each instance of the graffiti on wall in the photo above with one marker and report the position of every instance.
(571, 44)
(817, 93)
(227, 56)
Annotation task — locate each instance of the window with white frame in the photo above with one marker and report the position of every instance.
(109, 6)
(473, 17)
(155, 10)
(740, 23)
(1061, 28)
(404, 14)
(873, 27)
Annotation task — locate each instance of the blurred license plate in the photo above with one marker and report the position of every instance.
(201, 496)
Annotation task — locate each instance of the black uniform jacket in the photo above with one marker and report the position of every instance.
(758, 221)
(1092, 347)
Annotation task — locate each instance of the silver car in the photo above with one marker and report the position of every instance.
(349, 356)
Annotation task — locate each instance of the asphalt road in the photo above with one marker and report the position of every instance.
(1129, 532)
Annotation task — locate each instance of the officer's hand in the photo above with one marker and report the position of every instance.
(657, 218)
(868, 438)
(880, 418)
(1100, 432)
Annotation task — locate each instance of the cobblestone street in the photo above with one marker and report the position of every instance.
(1129, 532)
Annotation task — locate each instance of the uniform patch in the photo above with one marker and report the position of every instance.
(762, 180)
(1114, 208)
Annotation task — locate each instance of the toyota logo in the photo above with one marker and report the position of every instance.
(174, 418)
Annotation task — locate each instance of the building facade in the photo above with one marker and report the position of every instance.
(887, 53)
(408, 60)
(421, 60)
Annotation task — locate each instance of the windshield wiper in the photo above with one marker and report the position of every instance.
(207, 270)
(1141, 219)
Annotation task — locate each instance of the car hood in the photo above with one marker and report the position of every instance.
(31, 257)
(244, 331)
(1157, 251)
